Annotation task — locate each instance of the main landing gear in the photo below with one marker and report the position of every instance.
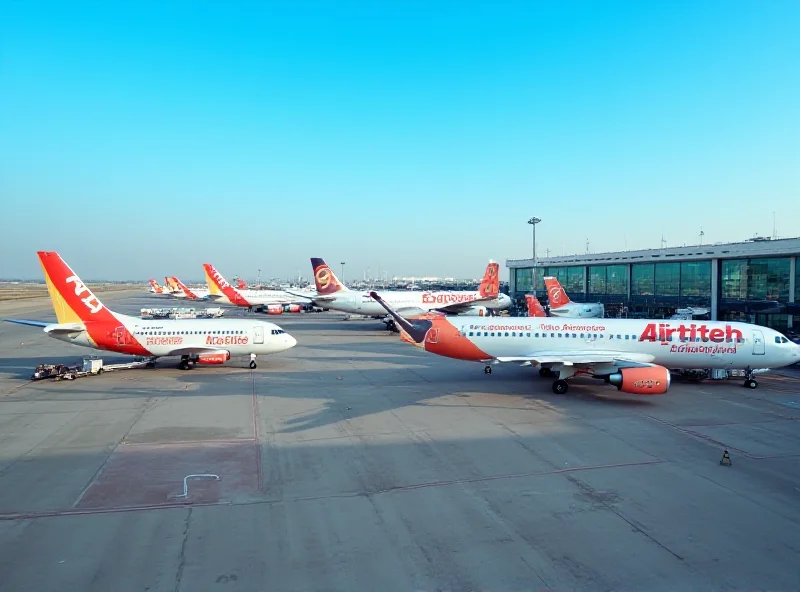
(749, 381)
(560, 386)
(186, 363)
(253, 362)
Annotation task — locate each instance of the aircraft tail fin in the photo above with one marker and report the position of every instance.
(326, 281)
(555, 293)
(490, 285)
(72, 300)
(535, 308)
(183, 288)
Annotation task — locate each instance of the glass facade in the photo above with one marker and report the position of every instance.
(696, 279)
(523, 279)
(571, 278)
(756, 279)
(617, 280)
(668, 279)
(755, 290)
(597, 279)
(643, 279)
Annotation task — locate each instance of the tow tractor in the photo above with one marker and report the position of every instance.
(89, 367)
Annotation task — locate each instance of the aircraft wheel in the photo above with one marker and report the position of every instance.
(560, 387)
(252, 365)
(487, 370)
(184, 365)
(751, 383)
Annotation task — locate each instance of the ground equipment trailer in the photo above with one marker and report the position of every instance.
(90, 367)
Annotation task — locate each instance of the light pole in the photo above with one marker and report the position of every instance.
(343, 262)
(533, 222)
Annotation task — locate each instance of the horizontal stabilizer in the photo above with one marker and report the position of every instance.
(27, 322)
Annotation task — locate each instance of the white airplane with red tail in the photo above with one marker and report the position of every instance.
(632, 354)
(83, 320)
(273, 301)
(561, 306)
(333, 294)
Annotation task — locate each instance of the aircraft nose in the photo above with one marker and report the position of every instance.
(290, 341)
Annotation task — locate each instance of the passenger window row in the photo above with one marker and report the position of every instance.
(189, 332)
(590, 336)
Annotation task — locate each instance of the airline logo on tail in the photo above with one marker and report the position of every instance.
(218, 285)
(324, 278)
(490, 285)
(555, 293)
(72, 300)
(189, 294)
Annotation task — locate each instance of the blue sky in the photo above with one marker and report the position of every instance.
(143, 139)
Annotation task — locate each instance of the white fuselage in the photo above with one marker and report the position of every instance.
(401, 300)
(165, 337)
(577, 310)
(718, 345)
(264, 297)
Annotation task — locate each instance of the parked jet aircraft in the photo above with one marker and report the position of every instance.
(83, 320)
(331, 293)
(183, 291)
(561, 306)
(632, 354)
(156, 289)
(272, 300)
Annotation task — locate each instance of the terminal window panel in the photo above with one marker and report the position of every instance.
(523, 279)
(617, 279)
(571, 278)
(797, 279)
(643, 279)
(768, 279)
(597, 279)
(696, 279)
(734, 279)
(667, 279)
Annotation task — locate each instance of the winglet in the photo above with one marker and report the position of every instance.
(416, 329)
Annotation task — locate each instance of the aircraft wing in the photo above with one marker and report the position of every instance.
(583, 358)
(313, 296)
(187, 351)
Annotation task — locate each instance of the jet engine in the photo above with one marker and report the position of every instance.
(219, 358)
(274, 309)
(650, 380)
(292, 308)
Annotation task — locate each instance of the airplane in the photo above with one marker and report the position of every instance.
(535, 308)
(183, 291)
(561, 306)
(332, 294)
(156, 289)
(84, 320)
(273, 301)
(634, 355)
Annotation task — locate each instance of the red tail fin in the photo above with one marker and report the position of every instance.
(490, 285)
(189, 294)
(555, 293)
(217, 284)
(72, 300)
(241, 284)
(535, 308)
(325, 279)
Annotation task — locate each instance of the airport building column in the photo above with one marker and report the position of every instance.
(792, 285)
(714, 289)
(628, 267)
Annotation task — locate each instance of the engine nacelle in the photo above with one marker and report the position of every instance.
(293, 308)
(651, 380)
(208, 359)
(274, 309)
(477, 311)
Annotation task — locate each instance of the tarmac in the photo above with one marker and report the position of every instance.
(357, 462)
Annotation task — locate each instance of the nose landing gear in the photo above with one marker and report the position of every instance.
(749, 381)
(253, 362)
(487, 369)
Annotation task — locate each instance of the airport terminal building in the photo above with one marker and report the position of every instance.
(756, 281)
